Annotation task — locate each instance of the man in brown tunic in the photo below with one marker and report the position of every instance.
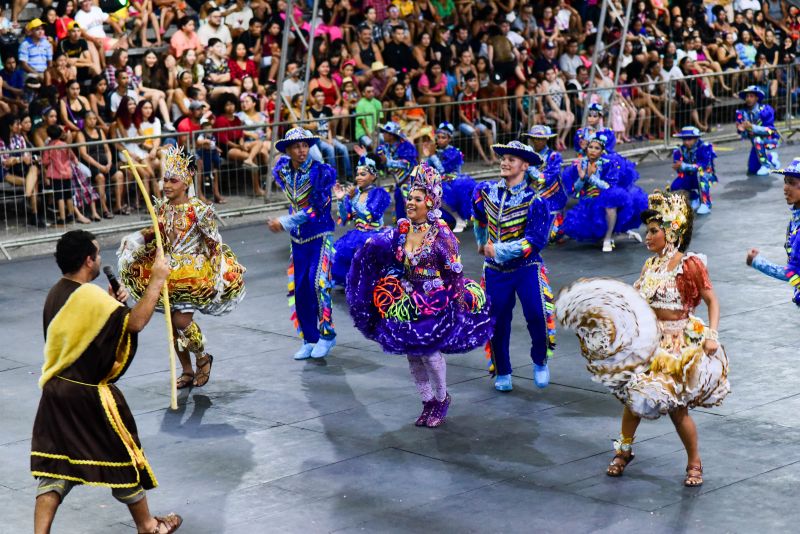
(84, 432)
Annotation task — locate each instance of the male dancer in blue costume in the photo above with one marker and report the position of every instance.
(457, 187)
(512, 225)
(791, 271)
(546, 177)
(398, 156)
(694, 162)
(756, 122)
(307, 185)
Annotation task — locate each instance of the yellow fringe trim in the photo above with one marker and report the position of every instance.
(81, 462)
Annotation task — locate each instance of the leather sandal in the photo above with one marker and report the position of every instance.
(616, 469)
(165, 522)
(201, 376)
(694, 476)
(184, 381)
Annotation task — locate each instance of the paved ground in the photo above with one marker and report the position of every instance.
(273, 445)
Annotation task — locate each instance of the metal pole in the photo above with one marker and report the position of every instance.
(597, 42)
(310, 52)
(668, 112)
(626, 23)
(281, 70)
(789, 88)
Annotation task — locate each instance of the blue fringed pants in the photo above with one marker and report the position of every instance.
(310, 289)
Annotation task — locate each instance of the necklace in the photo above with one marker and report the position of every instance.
(418, 228)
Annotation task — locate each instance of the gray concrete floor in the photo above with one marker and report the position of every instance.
(273, 445)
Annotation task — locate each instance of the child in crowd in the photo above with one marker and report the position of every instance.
(58, 175)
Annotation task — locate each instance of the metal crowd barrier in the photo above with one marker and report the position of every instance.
(237, 182)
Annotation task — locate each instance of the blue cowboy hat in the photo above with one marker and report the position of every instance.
(752, 89)
(540, 131)
(688, 132)
(296, 135)
(518, 150)
(393, 128)
(446, 128)
(792, 171)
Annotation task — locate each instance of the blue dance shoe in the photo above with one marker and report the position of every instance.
(541, 375)
(305, 352)
(503, 383)
(323, 347)
(762, 171)
(703, 209)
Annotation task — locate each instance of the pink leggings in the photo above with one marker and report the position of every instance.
(430, 375)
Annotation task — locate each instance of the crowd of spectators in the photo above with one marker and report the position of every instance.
(490, 67)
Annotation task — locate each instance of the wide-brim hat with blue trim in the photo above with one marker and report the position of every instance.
(792, 171)
(393, 128)
(540, 131)
(756, 90)
(446, 128)
(688, 132)
(595, 106)
(518, 150)
(296, 135)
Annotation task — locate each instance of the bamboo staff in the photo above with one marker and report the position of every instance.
(173, 402)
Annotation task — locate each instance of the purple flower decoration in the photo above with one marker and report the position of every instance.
(456, 267)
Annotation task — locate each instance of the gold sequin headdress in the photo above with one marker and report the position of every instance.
(177, 163)
(672, 212)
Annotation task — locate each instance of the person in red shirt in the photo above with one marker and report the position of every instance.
(471, 126)
(58, 174)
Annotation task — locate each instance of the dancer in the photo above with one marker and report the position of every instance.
(364, 204)
(652, 352)
(406, 291)
(791, 271)
(205, 275)
(756, 122)
(546, 178)
(606, 205)
(397, 156)
(457, 187)
(84, 432)
(594, 123)
(694, 161)
(512, 226)
(307, 185)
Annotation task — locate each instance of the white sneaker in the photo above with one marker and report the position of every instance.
(762, 171)
(703, 209)
(608, 245)
(461, 224)
(634, 235)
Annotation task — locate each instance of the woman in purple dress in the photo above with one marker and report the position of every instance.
(406, 291)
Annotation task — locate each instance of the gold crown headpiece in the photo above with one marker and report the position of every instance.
(673, 212)
(177, 163)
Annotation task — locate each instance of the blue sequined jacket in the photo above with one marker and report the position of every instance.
(308, 190)
(791, 271)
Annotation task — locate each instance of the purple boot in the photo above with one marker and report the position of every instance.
(427, 408)
(439, 412)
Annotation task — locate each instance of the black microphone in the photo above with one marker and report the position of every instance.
(111, 279)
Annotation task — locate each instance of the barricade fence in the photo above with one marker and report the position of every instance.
(235, 163)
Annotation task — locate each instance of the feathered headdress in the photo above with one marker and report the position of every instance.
(426, 178)
(672, 213)
(177, 163)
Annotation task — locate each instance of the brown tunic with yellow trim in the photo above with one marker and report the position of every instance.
(74, 435)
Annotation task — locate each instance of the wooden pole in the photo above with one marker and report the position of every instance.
(173, 397)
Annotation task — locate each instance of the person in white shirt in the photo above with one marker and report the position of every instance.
(91, 18)
(569, 60)
(215, 29)
(237, 17)
(292, 85)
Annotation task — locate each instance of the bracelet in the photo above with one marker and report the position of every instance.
(712, 334)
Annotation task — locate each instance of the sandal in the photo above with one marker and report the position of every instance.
(165, 521)
(184, 381)
(694, 476)
(201, 376)
(616, 469)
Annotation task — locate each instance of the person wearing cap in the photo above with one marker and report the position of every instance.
(608, 203)
(693, 160)
(791, 271)
(546, 177)
(397, 156)
(512, 226)
(35, 51)
(457, 188)
(364, 204)
(307, 185)
(381, 80)
(756, 123)
(407, 291)
(76, 48)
